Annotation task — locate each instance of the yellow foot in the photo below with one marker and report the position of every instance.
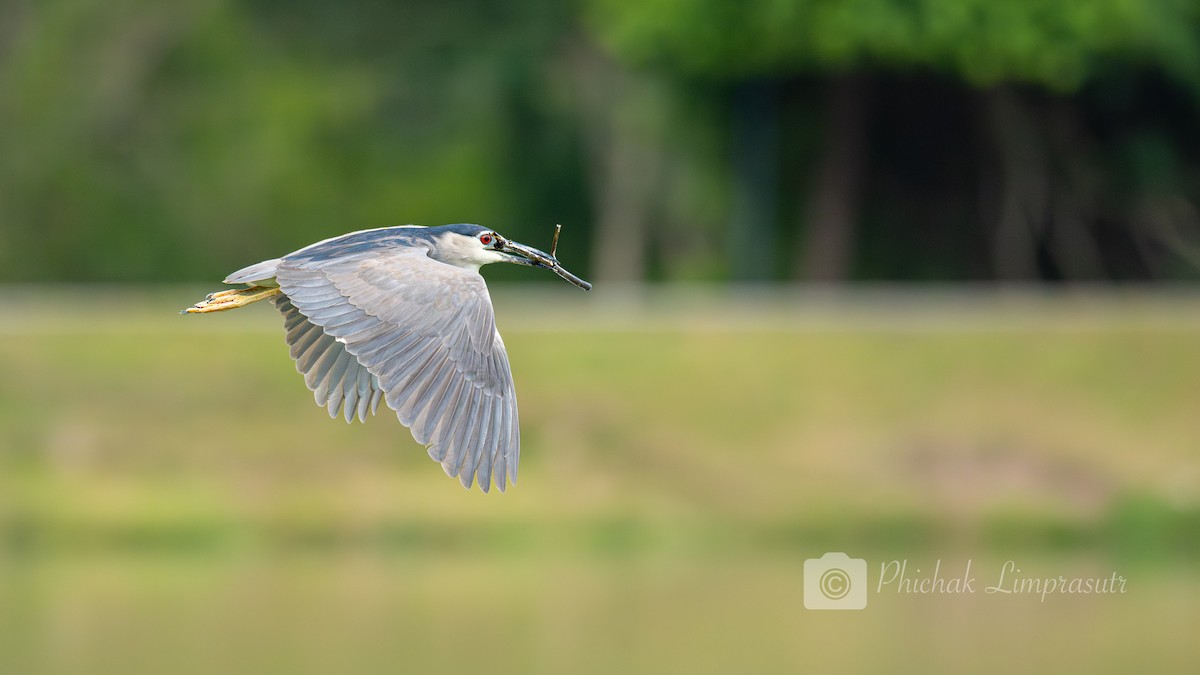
(232, 299)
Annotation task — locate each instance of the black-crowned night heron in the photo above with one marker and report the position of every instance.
(401, 314)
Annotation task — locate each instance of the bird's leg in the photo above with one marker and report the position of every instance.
(232, 299)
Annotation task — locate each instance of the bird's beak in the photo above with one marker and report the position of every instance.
(528, 255)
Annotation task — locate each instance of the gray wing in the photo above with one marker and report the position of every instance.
(338, 381)
(426, 332)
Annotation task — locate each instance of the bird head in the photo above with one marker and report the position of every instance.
(472, 246)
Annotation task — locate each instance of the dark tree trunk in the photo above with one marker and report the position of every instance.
(1024, 185)
(755, 174)
(625, 159)
(834, 203)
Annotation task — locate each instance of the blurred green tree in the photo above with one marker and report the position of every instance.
(676, 139)
(988, 45)
(171, 140)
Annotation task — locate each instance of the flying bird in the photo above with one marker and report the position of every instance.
(402, 315)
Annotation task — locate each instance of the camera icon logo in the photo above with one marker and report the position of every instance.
(835, 581)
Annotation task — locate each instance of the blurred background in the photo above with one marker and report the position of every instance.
(912, 280)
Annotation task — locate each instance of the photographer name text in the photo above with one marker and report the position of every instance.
(896, 575)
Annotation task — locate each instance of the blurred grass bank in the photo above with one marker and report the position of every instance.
(172, 501)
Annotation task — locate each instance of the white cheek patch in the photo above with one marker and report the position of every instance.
(466, 252)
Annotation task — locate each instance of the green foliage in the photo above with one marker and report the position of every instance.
(1058, 44)
(175, 139)
(172, 139)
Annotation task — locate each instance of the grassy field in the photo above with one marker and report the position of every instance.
(172, 501)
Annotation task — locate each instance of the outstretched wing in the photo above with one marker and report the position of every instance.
(426, 333)
(338, 381)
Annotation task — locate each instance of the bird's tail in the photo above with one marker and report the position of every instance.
(232, 299)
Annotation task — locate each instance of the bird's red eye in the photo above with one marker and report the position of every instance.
(485, 239)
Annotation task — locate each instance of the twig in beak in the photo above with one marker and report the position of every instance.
(554, 242)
